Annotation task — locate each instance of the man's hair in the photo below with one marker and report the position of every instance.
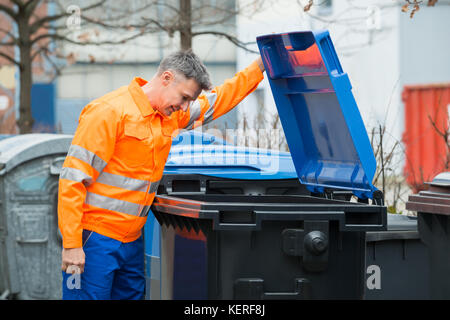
(188, 64)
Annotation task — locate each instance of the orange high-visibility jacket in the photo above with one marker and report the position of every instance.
(118, 153)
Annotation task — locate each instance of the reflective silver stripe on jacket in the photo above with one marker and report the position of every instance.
(154, 186)
(110, 179)
(112, 204)
(144, 211)
(87, 156)
(122, 206)
(209, 113)
(75, 175)
(116, 180)
(123, 182)
(195, 111)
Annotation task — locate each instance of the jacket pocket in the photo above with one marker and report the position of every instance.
(169, 128)
(134, 148)
(137, 130)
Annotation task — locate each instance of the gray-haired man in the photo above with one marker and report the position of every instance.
(114, 165)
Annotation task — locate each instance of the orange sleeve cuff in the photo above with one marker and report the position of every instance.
(254, 68)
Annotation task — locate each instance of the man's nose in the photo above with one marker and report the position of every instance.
(185, 106)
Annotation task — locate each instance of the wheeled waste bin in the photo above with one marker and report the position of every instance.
(433, 211)
(264, 245)
(30, 248)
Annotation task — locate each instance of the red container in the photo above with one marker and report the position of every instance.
(427, 110)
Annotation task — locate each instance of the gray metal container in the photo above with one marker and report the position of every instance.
(30, 248)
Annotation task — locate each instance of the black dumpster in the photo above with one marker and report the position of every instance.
(433, 208)
(397, 262)
(263, 247)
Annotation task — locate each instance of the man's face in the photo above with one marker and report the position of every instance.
(178, 93)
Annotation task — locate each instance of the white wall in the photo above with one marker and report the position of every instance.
(275, 17)
(425, 45)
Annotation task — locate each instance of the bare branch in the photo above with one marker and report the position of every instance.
(308, 6)
(42, 23)
(31, 3)
(199, 22)
(39, 23)
(64, 38)
(169, 29)
(232, 39)
(43, 48)
(8, 44)
(18, 2)
(10, 12)
(439, 132)
(116, 26)
(213, 12)
(175, 9)
(30, 7)
(54, 28)
(13, 38)
(124, 14)
(55, 67)
(93, 6)
(7, 57)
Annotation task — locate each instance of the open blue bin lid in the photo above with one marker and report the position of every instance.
(323, 127)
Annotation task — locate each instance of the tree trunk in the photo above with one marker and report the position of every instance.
(26, 120)
(185, 25)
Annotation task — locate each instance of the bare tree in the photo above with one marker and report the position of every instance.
(415, 4)
(442, 129)
(193, 18)
(361, 18)
(405, 4)
(37, 31)
(107, 22)
(389, 154)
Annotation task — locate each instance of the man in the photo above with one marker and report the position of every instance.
(114, 166)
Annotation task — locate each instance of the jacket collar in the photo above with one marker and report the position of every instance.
(139, 97)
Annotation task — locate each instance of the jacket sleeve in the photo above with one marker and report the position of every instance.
(91, 149)
(221, 99)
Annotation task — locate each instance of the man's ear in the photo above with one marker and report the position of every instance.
(167, 77)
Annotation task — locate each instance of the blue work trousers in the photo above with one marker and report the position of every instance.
(112, 270)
